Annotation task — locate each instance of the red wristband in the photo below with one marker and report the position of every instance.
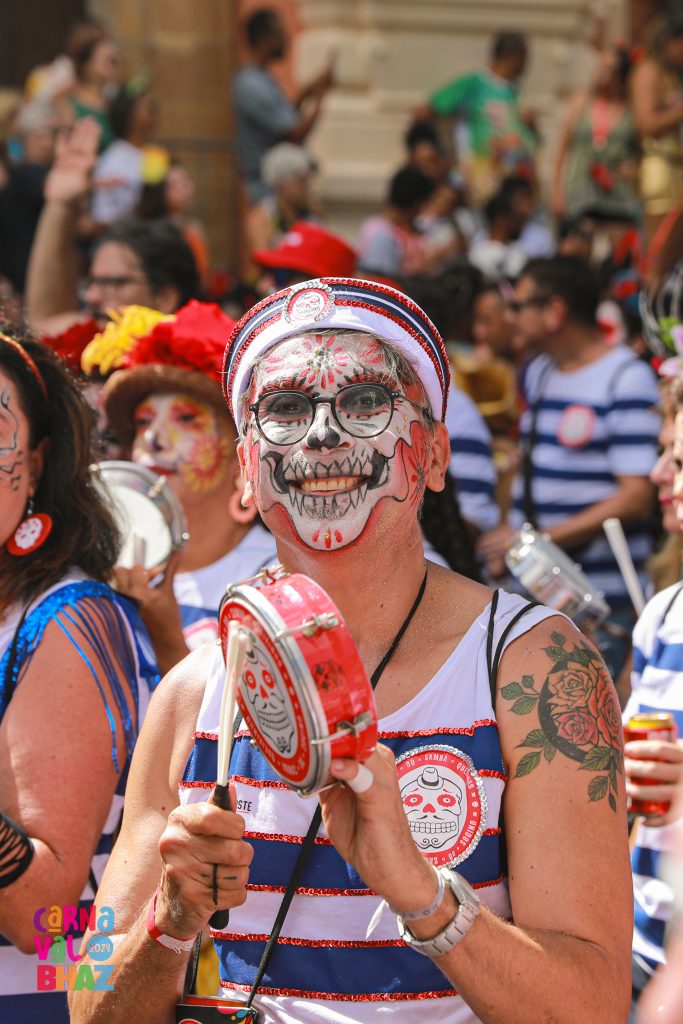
(177, 945)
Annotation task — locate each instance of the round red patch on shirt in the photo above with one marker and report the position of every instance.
(444, 800)
(576, 426)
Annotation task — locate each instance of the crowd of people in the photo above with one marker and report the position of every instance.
(490, 354)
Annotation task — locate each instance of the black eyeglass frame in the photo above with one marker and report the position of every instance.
(331, 400)
(517, 305)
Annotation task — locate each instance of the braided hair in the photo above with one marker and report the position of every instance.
(446, 530)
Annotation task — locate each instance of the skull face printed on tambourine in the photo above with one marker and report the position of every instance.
(303, 690)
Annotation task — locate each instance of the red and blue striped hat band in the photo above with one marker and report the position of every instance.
(329, 303)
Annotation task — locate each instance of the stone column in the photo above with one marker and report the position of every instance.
(188, 48)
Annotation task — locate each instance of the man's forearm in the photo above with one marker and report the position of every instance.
(147, 984)
(506, 974)
(587, 524)
(52, 272)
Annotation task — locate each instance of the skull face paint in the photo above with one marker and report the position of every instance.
(14, 459)
(181, 437)
(329, 483)
(11, 457)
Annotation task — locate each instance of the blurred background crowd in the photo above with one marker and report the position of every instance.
(544, 241)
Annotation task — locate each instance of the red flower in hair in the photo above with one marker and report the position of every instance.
(193, 340)
(70, 343)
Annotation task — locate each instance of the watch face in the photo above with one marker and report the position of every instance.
(463, 891)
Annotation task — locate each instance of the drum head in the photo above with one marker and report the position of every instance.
(304, 693)
(551, 577)
(146, 510)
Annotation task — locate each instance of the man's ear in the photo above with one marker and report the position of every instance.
(439, 458)
(556, 312)
(166, 298)
(247, 490)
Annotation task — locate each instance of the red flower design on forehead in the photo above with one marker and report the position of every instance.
(324, 359)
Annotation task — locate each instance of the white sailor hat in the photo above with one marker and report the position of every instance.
(344, 304)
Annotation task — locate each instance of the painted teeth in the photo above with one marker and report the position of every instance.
(339, 483)
(433, 826)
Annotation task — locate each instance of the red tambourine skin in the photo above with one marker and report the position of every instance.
(334, 671)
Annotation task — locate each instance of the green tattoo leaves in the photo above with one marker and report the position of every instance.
(578, 717)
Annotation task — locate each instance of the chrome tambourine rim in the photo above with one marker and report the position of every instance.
(115, 475)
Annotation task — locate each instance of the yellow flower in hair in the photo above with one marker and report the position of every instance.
(105, 352)
(155, 164)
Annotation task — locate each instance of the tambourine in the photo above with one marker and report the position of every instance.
(303, 690)
(147, 512)
(552, 578)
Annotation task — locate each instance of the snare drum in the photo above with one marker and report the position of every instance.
(147, 513)
(304, 692)
(552, 578)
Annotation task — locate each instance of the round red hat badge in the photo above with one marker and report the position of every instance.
(309, 303)
(445, 802)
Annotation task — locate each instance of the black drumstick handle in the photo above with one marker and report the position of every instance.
(221, 798)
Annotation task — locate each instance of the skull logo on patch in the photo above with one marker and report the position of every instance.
(445, 802)
(267, 699)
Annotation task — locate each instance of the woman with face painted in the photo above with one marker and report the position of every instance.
(654, 767)
(339, 391)
(165, 406)
(76, 671)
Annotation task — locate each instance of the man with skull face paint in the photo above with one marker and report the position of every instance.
(338, 388)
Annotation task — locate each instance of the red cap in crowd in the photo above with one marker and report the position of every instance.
(309, 249)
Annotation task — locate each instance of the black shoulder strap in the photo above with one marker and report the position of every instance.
(616, 376)
(670, 605)
(528, 506)
(493, 659)
(493, 663)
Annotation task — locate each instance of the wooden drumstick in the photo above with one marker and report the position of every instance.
(139, 548)
(234, 660)
(617, 541)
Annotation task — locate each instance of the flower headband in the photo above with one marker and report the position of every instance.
(107, 350)
(38, 377)
(671, 336)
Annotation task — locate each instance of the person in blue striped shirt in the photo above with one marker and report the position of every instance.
(471, 465)
(589, 437)
(656, 685)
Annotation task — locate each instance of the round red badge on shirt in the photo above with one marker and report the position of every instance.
(576, 426)
(445, 802)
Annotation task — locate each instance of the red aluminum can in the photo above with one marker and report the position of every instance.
(650, 725)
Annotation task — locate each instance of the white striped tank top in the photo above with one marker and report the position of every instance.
(452, 774)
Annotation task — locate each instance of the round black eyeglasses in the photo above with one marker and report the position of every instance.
(362, 410)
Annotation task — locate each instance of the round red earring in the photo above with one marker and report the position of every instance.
(30, 534)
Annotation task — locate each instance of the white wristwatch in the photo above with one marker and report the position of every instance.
(456, 930)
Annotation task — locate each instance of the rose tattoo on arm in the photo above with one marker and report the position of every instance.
(578, 717)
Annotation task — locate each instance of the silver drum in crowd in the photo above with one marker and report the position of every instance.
(552, 578)
(147, 512)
